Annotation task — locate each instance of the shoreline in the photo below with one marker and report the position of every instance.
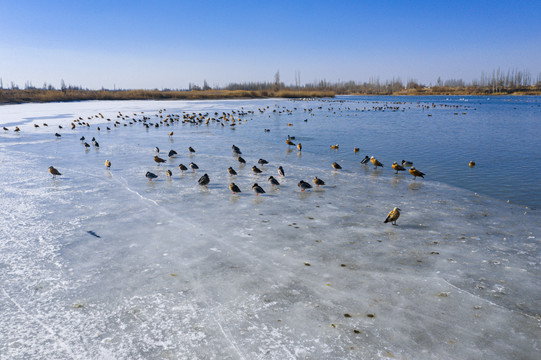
(17, 96)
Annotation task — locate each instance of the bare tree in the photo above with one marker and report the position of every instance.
(277, 80)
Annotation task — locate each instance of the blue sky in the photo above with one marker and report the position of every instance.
(169, 44)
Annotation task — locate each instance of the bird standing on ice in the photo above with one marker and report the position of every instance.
(234, 188)
(158, 159)
(393, 215)
(304, 185)
(416, 173)
(258, 189)
(397, 167)
(54, 172)
(375, 162)
(336, 166)
(318, 181)
(273, 181)
(150, 176)
(204, 180)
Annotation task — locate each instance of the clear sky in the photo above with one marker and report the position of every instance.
(168, 44)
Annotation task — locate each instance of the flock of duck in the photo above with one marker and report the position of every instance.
(232, 119)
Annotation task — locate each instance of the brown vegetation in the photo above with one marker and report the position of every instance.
(41, 95)
(512, 82)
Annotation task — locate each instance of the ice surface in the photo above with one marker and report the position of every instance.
(99, 264)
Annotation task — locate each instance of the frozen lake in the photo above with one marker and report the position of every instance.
(103, 264)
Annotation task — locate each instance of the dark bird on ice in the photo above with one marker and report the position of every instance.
(304, 185)
(193, 166)
(169, 173)
(273, 181)
(365, 160)
(150, 176)
(182, 167)
(158, 159)
(172, 153)
(241, 160)
(57, 135)
(204, 180)
(190, 149)
(107, 164)
(53, 171)
(281, 171)
(258, 189)
(256, 170)
(406, 163)
(236, 150)
(231, 171)
(234, 188)
(262, 162)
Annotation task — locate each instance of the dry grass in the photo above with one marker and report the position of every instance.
(35, 95)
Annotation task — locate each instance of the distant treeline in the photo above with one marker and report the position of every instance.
(498, 82)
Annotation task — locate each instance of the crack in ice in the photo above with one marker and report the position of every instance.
(231, 342)
(135, 192)
(486, 300)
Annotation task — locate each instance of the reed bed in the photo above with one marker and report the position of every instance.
(37, 95)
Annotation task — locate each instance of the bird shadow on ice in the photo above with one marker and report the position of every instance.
(93, 234)
(57, 181)
(303, 195)
(411, 226)
(258, 200)
(376, 173)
